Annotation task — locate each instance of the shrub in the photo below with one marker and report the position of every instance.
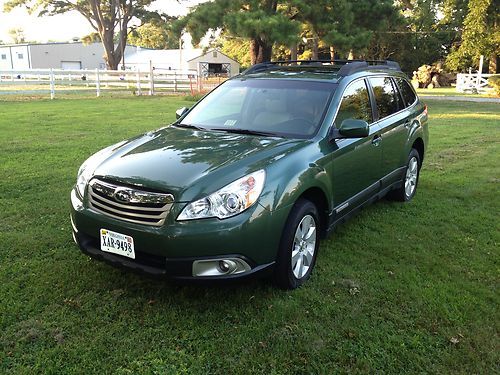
(494, 82)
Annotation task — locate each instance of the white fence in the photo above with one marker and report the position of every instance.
(52, 81)
(473, 82)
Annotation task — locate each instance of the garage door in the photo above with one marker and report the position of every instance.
(71, 65)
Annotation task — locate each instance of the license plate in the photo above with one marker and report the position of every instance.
(117, 243)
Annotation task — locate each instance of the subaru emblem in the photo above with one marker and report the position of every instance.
(122, 195)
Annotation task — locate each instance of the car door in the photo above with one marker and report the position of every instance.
(354, 164)
(392, 120)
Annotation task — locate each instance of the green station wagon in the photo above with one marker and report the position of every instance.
(250, 178)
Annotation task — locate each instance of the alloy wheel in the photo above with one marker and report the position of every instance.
(304, 246)
(411, 177)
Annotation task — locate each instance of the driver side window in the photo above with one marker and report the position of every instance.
(355, 104)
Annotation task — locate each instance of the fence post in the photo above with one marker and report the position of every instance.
(139, 91)
(97, 83)
(52, 85)
(480, 71)
(191, 84)
(151, 78)
(175, 81)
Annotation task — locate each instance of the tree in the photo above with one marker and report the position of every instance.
(259, 21)
(235, 47)
(424, 34)
(91, 38)
(106, 18)
(480, 36)
(17, 35)
(154, 34)
(343, 27)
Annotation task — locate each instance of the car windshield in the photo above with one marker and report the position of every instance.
(278, 107)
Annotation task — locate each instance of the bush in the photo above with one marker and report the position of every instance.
(494, 82)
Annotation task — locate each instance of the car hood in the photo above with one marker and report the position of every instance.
(191, 163)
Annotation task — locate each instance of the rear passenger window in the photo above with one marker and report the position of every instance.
(355, 104)
(407, 92)
(385, 96)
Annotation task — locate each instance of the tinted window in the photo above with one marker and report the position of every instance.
(406, 91)
(355, 104)
(385, 96)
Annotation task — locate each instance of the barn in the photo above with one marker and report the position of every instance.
(209, 63)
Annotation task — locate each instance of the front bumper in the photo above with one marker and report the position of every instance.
(170, 250)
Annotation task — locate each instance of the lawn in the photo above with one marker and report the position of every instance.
(399, 288)
(451, 91)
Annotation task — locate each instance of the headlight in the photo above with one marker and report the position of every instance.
(87, 169)
(228, 201)
(82, 179)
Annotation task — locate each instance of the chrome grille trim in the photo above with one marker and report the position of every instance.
(129, 204)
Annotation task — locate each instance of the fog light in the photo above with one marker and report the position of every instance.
(227, 266)
(219, 267)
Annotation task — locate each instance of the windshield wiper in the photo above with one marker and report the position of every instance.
(246, 131)
(189, 126)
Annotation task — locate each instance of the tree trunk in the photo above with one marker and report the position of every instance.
(332, 53)
(119, 14)
(266, 52)
(315, 47)
(109, 49)
(260, 51)
(254, 51)
(293, 52)
(493, 65)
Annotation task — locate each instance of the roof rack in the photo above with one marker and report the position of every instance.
(343, 67)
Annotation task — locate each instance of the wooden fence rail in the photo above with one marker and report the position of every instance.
(51, 81)
(473, 82)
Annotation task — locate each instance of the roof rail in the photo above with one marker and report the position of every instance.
(345, 67)
(262, 67)
(353, 66)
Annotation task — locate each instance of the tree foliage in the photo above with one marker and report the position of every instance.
(259, 21)
(154, 34)
(105, 17)
(341, 24)
(480, 36)
(17, 35)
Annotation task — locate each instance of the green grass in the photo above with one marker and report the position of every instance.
(399, 288)
(451, 91)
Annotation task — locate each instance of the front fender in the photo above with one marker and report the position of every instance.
(290, 177)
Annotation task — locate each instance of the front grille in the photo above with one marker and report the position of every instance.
(129, 204)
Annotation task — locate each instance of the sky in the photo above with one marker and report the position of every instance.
(67, 26)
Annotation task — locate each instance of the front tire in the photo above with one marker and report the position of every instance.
(407, 191)
(298, 246)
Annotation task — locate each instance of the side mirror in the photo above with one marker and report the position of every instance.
(351, 128)
(181, 112)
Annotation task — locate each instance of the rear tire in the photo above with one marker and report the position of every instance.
(298, 246)
(410, 181)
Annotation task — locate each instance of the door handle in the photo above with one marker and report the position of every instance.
(376, 140)
(407, 124)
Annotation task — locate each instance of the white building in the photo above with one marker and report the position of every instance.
(71, 55)
(212, 62)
